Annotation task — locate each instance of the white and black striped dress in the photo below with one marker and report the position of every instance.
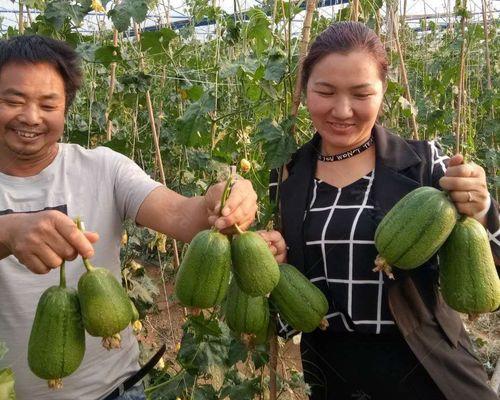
(339, 232)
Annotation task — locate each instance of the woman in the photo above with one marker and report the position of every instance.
(387, 339)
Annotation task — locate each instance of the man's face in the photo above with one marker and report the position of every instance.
(32, 113)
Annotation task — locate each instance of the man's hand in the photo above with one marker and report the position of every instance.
(466, 184)
(240, 207)
(276, 244)
(42, 240)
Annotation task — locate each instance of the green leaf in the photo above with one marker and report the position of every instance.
(173, 388)
(91, 52)
(237, 388)
(276, 66)
(237, 352)
(135, 82)
(193, 127)
(204, 392)
(258, 28)
(197, 356)
(127, 9)
(118, 144)
(7, 384)
(203, 327)
(156, 42)
(260, 356)
(277, 143)
(143, 288)
(58, 11)
(107, 54)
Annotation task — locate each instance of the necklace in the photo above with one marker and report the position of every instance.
(347, 154)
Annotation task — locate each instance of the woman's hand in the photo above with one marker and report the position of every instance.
(276, 244)
(240, 207)
(466, 184)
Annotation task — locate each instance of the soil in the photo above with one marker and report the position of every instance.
(165, 327)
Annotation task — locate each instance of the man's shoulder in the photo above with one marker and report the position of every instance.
(100, 155)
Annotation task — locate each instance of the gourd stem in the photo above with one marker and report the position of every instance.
(86, 262)
(62, 276)
(225, 192)
(238, 229)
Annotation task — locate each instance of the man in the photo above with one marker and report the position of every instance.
(43, 184)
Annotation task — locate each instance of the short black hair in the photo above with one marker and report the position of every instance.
(35, 49)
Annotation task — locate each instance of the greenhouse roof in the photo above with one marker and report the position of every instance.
(176, 12)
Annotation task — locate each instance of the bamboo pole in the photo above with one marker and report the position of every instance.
(306, 34)
(112, 83)
(403, 71)
(403, 16)
(21, 17)
(489, 81)
(273, 363)
(156, 140)
(461, 94)
(28, 13)
(355, 10)
(486, 44)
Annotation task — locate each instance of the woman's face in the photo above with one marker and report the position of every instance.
(344, 94)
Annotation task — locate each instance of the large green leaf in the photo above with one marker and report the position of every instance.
(258, 28)
(239, 388)
(126, 10)
(277, 142)
(193, 128)
(92, 52)
(173, 388)
(276, 66)
(156, 42)
(58, 11)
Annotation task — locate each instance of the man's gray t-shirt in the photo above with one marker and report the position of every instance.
(103, 188)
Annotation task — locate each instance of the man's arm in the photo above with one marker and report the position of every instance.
(182, 217)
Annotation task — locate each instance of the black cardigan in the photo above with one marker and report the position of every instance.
(433, 331)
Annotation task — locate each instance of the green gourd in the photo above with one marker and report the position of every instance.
(105, 305)
(203, 276)
(468, 277)
(414, 229)
(245, 314)
(300, 303)
(254, 267)
(57, 341)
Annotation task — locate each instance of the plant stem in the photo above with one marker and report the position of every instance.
(403, 71)
(62, 276)
(89, 267)
(226, 191)
(238, 229)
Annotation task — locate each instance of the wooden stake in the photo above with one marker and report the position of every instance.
(355, 10)
(461, 94)
(112, 83)
(306, 33)
(21, 17)
(486, 44)
(273, 363)
(403, 71)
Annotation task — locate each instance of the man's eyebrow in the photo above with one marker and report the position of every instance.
(15, 92)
